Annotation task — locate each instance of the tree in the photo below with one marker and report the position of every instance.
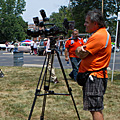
(12, 25)
(58, 18)
(78, 8)
(81, 7)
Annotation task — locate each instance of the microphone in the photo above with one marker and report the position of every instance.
(43, 14)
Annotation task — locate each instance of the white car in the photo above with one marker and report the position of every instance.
(22, 47)
(2, 46)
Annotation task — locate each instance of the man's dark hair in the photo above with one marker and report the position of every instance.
(96, 16)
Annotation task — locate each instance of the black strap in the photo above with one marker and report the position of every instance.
(98, 71)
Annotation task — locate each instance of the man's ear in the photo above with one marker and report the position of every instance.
(96, 25)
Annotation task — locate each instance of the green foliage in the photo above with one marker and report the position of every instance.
(58, 18)
(81, 7)
(12, 6)
(13, 27)
(78, 8)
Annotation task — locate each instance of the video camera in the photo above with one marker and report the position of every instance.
(52, 31)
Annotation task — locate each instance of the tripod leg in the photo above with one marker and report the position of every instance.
(46, 88)
(42, 70)
(32, 108)
(69, 89)
(43, 108)
(52, 74)
(34, 101)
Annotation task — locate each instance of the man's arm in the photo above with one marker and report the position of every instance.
(81, 52)
(66, 54)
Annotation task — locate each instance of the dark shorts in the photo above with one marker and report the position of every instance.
(93, 92)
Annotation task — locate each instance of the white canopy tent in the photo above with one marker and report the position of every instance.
(118, 19)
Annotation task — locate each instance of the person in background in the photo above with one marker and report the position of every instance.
(60, 45)
(45, 44)
(16, 44)
(35, 46)
(31, 47)
(95, 55)
(70, 47)
(6, 43)
(48, 52)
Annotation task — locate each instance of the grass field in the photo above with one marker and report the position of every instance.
(18, 86)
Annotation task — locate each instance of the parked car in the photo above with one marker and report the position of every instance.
(2, 46)
(24, 47)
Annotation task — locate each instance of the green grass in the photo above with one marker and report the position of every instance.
(18, 86)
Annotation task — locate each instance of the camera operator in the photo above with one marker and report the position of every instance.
(70, 47)
(95, 55)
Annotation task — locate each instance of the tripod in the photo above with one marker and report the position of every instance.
(47, 84)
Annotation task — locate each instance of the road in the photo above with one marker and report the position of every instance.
(7, 59)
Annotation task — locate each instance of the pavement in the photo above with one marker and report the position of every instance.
(6, 59)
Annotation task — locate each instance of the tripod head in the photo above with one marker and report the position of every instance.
(53, 42)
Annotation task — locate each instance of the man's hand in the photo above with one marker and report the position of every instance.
(66, 59)
(81, 52)
(66, 55)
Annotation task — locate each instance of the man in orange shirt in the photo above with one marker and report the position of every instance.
(95, 55)
(70, 47)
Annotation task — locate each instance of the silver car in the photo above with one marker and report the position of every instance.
(24, 47)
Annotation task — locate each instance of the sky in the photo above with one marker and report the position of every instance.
(34, 6)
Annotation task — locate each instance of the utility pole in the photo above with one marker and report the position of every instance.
(118, 35)
(102, 6)
(118, 38)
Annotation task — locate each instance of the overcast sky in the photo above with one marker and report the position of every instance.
(34, 6)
